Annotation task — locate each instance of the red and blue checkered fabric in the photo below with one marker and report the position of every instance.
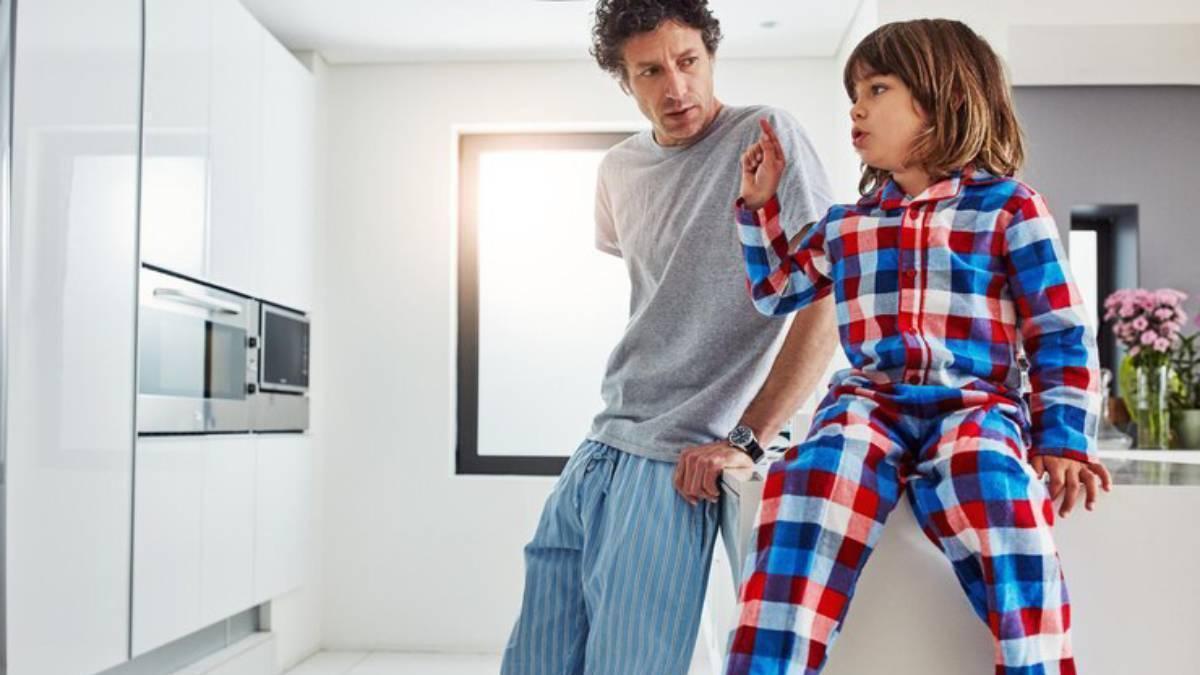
(944, 289)
(960, 456)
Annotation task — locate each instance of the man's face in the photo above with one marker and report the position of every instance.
(670, 74)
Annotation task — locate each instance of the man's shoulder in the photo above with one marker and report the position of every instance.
(635, 145)
(750, 114)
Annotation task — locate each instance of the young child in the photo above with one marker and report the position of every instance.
(941, 273)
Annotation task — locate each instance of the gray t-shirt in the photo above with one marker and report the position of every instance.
(695, 351)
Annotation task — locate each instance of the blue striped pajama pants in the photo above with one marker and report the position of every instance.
(616, 573)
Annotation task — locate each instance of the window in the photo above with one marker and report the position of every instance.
(1085, 267)
(1103, 255)
(539, 307)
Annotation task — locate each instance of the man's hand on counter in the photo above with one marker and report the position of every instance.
(699, 470)
(1068, 476)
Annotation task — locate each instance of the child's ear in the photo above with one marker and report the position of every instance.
(920, 110)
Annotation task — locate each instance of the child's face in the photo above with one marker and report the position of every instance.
(887, 119)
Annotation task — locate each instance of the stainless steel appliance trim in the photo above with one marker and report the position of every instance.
(284, 311)
(280, 412)
(285, 388)
(176, 295)
(8, 28)
(159, 414)
(167, 415)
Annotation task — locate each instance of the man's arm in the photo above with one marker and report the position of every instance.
(801, 361)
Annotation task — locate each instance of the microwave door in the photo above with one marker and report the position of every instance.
(285, 345)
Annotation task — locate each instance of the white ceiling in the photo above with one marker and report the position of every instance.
(366, 31)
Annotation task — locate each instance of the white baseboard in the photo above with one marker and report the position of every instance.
(253, 655)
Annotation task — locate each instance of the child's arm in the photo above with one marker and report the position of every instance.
(780, 281)
(1059, 341)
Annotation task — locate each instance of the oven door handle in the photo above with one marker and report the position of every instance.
(214, 304)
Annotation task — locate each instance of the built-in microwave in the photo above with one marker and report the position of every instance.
(196, 370)
(281, 397)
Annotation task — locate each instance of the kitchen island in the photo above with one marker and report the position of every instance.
(1132, 567)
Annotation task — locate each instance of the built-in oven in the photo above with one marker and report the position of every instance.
(281, 399)
(196, 367)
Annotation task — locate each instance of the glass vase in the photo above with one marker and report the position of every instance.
(1150, 407)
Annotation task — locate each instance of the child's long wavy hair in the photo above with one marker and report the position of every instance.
(959, 82)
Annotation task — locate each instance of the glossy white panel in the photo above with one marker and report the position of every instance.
(175, 175)
(193, 534)
(284, 499)
(227, 572)
(236, 146)
(289, 147)
(168, 539)
(72, 285)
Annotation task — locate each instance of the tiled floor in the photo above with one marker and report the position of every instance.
(396, 663)
(393, 663)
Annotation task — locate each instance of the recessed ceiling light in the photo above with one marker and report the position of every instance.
(770, 23)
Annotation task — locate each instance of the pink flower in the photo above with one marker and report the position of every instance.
(1169, 296)
(1126, 311)
(1140, 323)
(1162, 344)
(1135, 351)
(1149, 337)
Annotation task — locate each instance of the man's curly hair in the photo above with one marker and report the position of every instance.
(619, 20)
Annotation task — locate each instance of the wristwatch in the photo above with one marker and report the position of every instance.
(742, 438)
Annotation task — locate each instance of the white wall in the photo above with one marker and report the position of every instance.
(416, 558)
(994, 20)
(845, 164)
(1077, 41)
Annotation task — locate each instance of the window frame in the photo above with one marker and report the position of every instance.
(471, 145)
(1105, 280)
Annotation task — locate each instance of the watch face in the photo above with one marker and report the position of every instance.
(741, 436)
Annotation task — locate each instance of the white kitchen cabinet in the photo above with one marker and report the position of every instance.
(284, 489)
(193, 553)
(70, 264)
(229, 157)
(288, 185)
(227, 572)
(235, 146)
(176, 131)
(168, 539)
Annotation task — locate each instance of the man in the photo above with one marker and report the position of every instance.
(617, 570)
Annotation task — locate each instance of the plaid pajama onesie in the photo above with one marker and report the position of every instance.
(935, 295)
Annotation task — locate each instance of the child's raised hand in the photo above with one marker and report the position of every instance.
(762, 168)
(1067, 476)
